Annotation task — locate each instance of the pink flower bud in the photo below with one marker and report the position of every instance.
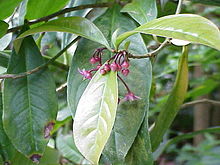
(107, 68)
(102, 71)
(114, 66)
(125, 72)
(119, 67)
(125, 64)
(92, 60)
(97, 59)
(88, 75)
(98, 66)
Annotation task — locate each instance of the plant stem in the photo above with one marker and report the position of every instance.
(179, 6)
(61, 12)
(61, 87)
(14, 76)
(214, 102)
(153, 53)
(126, 86)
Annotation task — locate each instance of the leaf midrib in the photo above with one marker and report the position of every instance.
(29, 103)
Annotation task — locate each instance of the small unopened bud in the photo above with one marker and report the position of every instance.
(92, 60)
(119, 67)
(125, 72)
(97, 59)
(88, 75)
(114, 66)
(102, 71)
(98, 66)
(125, 64)
(107, 68)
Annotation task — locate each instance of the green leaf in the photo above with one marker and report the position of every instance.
(51, 157)
(175, 100)
(4, 58)
(95, 115)
(140, 152)
(41, 8)
(141, 11)
(7, 148)
(30, 103)
(67, 147)
(7, 7)
(3, 28)
(188, 27)
(76, 25)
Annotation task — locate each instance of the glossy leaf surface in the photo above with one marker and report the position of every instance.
(41, 8)
(7, 7)
(76, 25)
(141, 11)
(30, 103)
(3, 28)
(177, 96)
(95, 115)
(188, 27)
(140, 152)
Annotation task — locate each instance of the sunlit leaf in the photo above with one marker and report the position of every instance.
(95, 115)
(188, 27)
(76, 25)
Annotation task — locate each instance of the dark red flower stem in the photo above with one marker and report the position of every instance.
(126, 86)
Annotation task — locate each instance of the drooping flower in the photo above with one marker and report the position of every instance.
(86, 74)
(125, 64)
(130, 97)
(114, 66)
(125, 72)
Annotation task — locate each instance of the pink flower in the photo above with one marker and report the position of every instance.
(86, 74)
(125, 64)
(130, 97)
(125, 72)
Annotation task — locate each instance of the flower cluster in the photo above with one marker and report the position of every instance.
(117, 63)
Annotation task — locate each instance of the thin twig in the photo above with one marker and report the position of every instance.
(214, 102)
(151, 54)
(14, 76)
(61, 87)
(61, 12)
